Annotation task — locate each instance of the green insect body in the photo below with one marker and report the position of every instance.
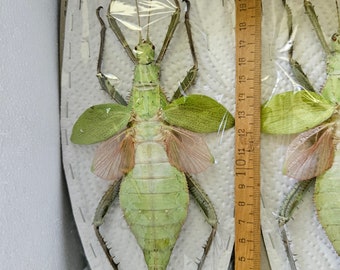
(148, 148)
(154, 195)
(327, 186)
(154, 198)
(327, 201)
(315, 153)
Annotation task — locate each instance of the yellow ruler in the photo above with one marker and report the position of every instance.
(247, 134)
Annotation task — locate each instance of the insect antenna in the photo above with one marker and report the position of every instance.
(139, 24)
(148, 24)
(337, 12)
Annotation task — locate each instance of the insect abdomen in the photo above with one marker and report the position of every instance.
(154, 198)
(327, 201)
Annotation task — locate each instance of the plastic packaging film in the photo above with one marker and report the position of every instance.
(213, 32)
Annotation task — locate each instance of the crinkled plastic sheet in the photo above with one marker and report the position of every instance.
(214, 42)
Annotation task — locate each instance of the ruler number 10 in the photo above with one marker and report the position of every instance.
(242, 26)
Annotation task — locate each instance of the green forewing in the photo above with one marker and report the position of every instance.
(99, 123)
(198, 113)
(294, 112)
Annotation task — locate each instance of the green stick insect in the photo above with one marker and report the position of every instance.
(150, 147)
(315, 152)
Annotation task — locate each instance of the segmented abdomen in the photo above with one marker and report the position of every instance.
(327, 200)
(154, 198)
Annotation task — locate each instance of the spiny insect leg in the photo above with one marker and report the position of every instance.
(188, 27)
(300, 76)
(206, 205)
(189, 79)
(292, 200)
(289, 252)
(102, 208)
(315, 22)
(120, 36)
(171, 29)
(103, 79)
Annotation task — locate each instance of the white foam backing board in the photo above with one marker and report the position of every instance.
(213, 30)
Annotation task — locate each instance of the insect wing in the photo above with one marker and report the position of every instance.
(310, 154)
(186, 150)
(115, 157)
(99, 123)
(198, 113)
(293, 112)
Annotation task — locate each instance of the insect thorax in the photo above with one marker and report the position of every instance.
(147, 96)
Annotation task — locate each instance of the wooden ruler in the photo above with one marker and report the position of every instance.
(247, 134)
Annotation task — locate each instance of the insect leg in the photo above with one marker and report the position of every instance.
(116, 29)
(171, 29)
(103, 79)
(289, 252)
(98, 219)
(206, 205)
(300, 76)
(315, 22)
(293, 198)
(192, 73)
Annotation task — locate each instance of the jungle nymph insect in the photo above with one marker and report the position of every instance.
(150, 147)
